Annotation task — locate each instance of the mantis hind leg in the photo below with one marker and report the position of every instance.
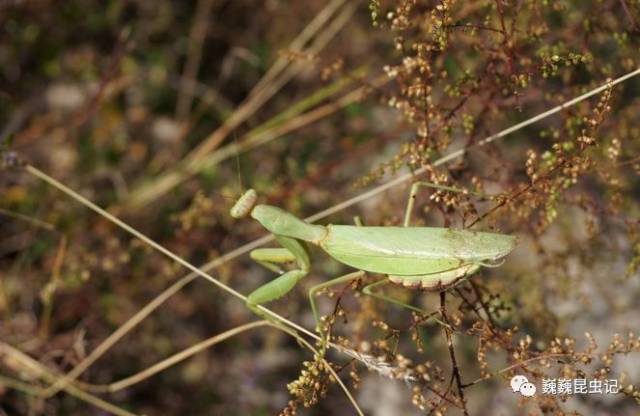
(314, 291)
(415, 187)
(368, 290)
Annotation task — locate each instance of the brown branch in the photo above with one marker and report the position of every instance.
(454, 361)
(629, 15)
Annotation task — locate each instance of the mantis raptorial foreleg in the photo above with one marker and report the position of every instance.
(293, 250)
(271, 258)
(275, 289)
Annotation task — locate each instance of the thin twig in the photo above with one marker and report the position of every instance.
(34, 221)
(194, 56)
(517, 365)
(452, 353)
(170, 361)
(298, 43)
(484, 305)
(629, 15)
(47, 293)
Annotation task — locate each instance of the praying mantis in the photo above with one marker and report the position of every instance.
(427, 258)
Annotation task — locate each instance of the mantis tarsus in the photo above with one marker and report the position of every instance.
(427, 258)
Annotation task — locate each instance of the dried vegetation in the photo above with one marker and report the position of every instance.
(161, 111)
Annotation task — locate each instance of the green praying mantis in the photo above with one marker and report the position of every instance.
(427, 258)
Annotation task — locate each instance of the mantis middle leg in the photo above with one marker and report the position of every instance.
(368, 290)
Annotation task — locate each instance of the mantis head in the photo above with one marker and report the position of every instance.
(244, 205)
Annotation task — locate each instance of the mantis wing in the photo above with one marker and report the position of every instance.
(406, 251)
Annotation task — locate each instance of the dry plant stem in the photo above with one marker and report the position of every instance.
(174, 359)
(55, 273)
(26, 218)
(257, 99)
(186, 353)
(629, 15)
(19, 385)
(476, 291)
(194, 56)
(300, 121)
(452, 353)
(51, 287)
(296, 45)
(33, 368)
(150, 307)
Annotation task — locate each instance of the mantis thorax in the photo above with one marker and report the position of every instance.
(280, 222)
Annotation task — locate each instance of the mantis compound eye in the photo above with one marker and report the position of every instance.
(244, 205)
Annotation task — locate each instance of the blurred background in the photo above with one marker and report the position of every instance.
(163, 112)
